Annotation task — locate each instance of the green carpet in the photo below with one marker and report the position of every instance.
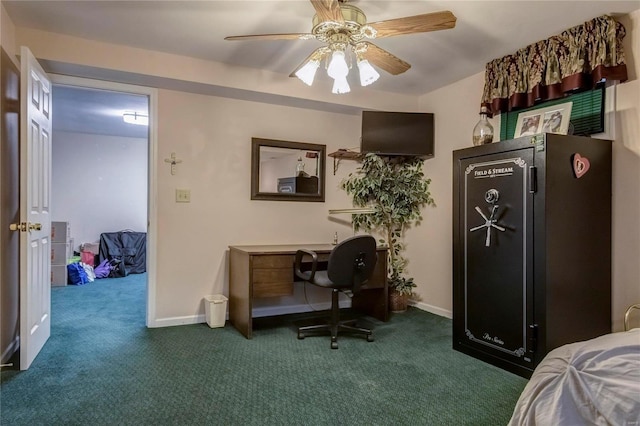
(101, 366)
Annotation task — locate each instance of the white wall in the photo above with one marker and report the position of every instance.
(456, 109)
(7, 34)
(626, 179)
(99, 184)
(212, 136)
(72, 55)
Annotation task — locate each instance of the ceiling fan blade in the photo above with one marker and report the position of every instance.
(293, 36)
(317, 55)
(415, 24)
(328, 10)
(381, 58)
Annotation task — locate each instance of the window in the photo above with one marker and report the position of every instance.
(587, 114)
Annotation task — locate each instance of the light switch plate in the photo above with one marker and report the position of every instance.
(183, 196)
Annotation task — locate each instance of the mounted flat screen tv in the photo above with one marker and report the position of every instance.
(397, 133)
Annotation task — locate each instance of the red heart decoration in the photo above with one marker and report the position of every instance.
(580, 165)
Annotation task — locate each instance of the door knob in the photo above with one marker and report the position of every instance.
(35, 226)
(22, 226)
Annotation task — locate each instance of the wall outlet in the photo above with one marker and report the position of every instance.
(183, 196)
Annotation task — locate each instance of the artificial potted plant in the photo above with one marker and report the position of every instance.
(396, 189)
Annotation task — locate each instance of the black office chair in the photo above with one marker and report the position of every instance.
(350, 265)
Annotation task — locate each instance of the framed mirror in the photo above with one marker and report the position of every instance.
(287, 171)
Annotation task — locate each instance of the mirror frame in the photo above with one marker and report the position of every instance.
(256, 143)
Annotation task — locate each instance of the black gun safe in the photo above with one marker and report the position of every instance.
(531, 247)
(298, 184)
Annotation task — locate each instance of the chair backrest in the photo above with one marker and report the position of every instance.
(352, 262)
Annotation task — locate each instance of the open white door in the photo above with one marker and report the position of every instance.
(35, 211)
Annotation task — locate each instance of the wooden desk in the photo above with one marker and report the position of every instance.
(267, 271)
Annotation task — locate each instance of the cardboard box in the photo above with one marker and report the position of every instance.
(60, 253)
(60, 232)
(92, 247)
(59, 275)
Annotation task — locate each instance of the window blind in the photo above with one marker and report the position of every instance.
(587, 114)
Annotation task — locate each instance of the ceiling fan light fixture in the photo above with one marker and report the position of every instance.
(343, 29)
(338, 67)
(308, 72)
(368, 74)
(340, 86)
(133, 117)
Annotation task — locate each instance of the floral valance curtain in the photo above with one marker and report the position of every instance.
(575, 59)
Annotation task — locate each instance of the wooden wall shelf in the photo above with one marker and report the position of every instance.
(343, 154)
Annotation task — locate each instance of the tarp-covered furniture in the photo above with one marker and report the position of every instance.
(126, 250)
(594, 382)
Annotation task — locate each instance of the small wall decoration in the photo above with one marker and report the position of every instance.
(173, 161)
(553, 119)
(580, 165)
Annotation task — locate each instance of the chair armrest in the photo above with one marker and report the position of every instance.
(307, 275)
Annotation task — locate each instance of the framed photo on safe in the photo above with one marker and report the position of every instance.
(553, 119)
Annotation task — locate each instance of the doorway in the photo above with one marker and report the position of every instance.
(102, 166)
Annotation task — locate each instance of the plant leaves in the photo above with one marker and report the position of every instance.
(396, 188)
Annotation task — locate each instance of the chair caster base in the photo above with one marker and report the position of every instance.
(300, 336)
(334, 345)
(370, 338)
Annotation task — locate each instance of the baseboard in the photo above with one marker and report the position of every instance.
(265, 311)
(170, 322)
(268, 311)
(433, 309)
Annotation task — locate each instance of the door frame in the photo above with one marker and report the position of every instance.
(152, 190)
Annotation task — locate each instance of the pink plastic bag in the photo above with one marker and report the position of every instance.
(87, 257)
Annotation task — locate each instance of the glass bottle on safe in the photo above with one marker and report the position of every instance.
(483, 132)
(300, 167)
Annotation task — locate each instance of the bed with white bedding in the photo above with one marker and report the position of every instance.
(595, 382)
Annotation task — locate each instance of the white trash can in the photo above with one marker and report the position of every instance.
(215, 309)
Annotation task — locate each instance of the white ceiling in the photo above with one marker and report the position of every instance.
(83, 110)
(484, 30)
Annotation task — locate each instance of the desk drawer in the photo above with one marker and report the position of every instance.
(377, 279)
(273, 261)
(272, 282)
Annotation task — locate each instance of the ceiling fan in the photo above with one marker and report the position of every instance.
(344, 27)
